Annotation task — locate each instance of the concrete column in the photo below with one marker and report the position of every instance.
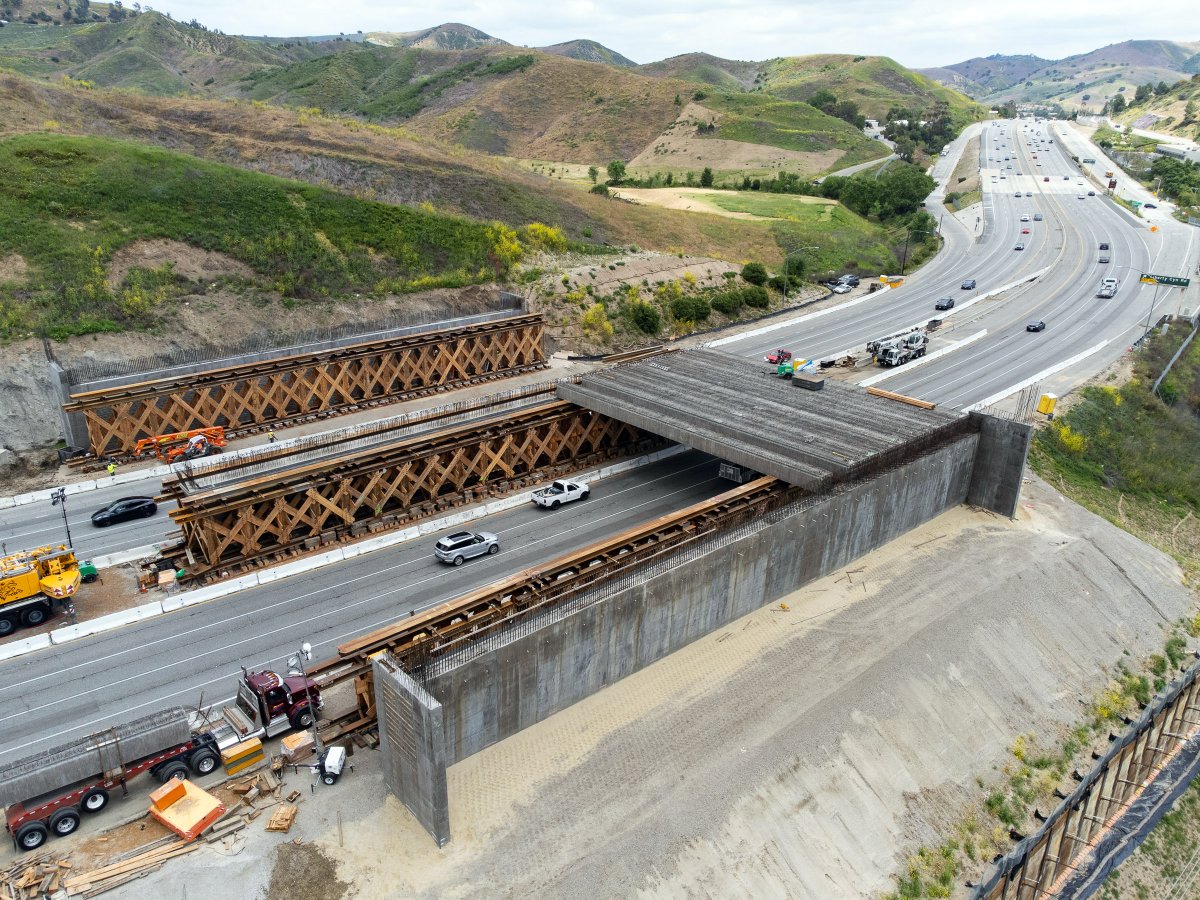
(413, 746)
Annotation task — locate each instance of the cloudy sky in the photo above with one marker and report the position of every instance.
(914, 32)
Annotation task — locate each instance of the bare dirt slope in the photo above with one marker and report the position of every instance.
(798, 752)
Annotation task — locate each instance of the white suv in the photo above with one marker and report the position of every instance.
(463, 545)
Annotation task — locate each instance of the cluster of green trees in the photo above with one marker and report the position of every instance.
(1142, 94)
(846, 110)
(912, 131)
(1180, 179)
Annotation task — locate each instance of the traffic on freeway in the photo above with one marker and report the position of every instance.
(1034, 198)
(58, 695)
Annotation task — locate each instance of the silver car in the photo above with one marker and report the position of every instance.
(463, 545)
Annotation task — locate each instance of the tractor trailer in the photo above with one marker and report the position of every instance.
(49, 793)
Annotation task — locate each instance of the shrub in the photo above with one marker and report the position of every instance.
(690, 309)
(727, 302)
(645, 317)
(546, 237)
(756, 296)
(595, 323)
(601, 189)
(754, 273)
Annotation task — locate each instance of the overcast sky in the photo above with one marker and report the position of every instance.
(917, 33)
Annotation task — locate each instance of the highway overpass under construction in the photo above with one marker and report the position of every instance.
(860, 471)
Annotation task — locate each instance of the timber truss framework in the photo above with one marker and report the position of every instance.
(256, 520)
(249, 396)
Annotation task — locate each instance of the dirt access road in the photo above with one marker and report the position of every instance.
(695, 199)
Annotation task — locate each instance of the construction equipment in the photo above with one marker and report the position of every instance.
(34, 582)
(183, 444)
(796, 366)
(897, 349)
(47, 793)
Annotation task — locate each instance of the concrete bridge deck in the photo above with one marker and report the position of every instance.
(743, 413)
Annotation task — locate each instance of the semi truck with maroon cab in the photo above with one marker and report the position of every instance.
(50, 792)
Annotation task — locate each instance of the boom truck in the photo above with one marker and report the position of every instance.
(33, 583)
(48, 793)
(897, 349)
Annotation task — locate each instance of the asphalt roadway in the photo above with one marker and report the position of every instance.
(1066, 243)
(55, 696)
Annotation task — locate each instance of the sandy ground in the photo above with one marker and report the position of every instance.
(795, 752)
(192, 263)
(604, 277)
(679, 148)
(694, 200)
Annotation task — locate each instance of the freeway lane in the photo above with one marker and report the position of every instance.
(1066, 243)
(37, 524)
(58, 695)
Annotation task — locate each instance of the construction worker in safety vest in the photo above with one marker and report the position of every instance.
(112, 468)
(270, 436)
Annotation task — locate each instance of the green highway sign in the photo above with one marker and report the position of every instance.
(1170, 280)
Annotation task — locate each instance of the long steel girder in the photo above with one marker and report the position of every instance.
(253, 394)
(390, 485)
(443, 628)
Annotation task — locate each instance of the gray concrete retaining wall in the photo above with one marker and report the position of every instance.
(999, 464)
(411, 746)
(517, 678)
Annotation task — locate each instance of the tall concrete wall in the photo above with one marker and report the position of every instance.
(513, 680)
(999, 464)
(411, 746)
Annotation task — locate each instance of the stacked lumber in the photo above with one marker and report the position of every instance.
(282, 818)
(259, 792)
(33, 876)
(105, 878)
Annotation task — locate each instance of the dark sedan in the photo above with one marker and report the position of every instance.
(123, 510)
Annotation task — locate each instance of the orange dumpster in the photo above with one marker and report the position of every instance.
(185, 808)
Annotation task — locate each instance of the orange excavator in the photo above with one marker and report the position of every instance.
(183, 444)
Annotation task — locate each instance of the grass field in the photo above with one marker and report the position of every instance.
(67, 203)
(844, 239)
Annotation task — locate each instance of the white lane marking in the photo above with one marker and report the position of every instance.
(359, 629)
(140, 649)
(936, 354)
(1045, 373)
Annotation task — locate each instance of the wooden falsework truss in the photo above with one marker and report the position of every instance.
(340, 380)
(389, 485)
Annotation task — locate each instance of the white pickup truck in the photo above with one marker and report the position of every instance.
(561, 492)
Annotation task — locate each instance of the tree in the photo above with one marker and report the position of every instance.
(1143, 92)
(905, 147)
(616, 172)
(822, 100)
(1162, 89)
(706, 177)
(1189, 112)
(593, 173)
(1116, 105)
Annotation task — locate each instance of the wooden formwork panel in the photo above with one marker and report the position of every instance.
(261, 393)
(263, 517)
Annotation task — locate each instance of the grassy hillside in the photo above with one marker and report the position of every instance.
(148, 53)
(1176, 112)
(984, 75)
(1103, 73)
(368, 161)
(589, 51)
(760, 119)
(68, 203)
(376, 82)
(729, 74)
(875, 83)
(450, 36)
